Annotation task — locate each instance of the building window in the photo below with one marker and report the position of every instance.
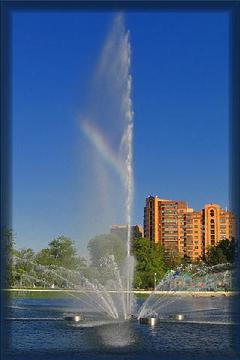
(211, 212)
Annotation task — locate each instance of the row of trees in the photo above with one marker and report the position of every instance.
(23, 265)
(152, 262)
(223, 252)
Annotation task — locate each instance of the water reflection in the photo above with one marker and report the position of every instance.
(118, 335)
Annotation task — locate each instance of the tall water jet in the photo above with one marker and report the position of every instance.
(127, 154)
(108, 125)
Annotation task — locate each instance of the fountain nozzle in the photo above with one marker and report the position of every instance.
(73, 318)
(178, 317)
(149, 321)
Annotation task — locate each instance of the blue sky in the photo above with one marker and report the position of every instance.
(180, 70)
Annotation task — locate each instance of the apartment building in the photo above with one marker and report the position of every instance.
(185, 231)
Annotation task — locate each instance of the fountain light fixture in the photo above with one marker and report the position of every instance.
(178, 317)
(73, 318)
(149, 321)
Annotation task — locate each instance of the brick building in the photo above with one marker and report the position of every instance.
(185, 231)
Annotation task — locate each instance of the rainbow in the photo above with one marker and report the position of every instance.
(104, 149)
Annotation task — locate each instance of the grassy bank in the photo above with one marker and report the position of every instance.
(59, 293)
(37, 294)
(48, 294)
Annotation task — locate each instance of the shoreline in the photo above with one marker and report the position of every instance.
(140, 292)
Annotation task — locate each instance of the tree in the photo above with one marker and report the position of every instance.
(106, 245)
(172, 259)
(228, 248)
(43, 257)
(9, 242)
(23, 267)
(19, 263)
(9, 238)
(150, 261)
(61, 252)
(221, 253)
(215, 256)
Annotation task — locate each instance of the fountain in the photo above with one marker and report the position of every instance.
(108, 293)
(103, 297)
(105, 294)
(103, 317)
(174, 298)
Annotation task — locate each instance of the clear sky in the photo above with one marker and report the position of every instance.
(180, 70)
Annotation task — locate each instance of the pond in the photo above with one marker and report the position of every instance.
(36, 328)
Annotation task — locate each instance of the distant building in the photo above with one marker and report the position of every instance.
(137, 231)
(185, 231)
(121, 231)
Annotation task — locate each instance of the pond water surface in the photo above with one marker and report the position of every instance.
(35, 328)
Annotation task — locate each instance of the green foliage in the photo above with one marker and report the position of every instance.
(215, 256)
(228, 248)
(9, 238)
(105, 245)
(150, 261)
(43, 257)
(223, 252)
(24, 268)
(172, 259)
(61, 252)
(9, 242)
